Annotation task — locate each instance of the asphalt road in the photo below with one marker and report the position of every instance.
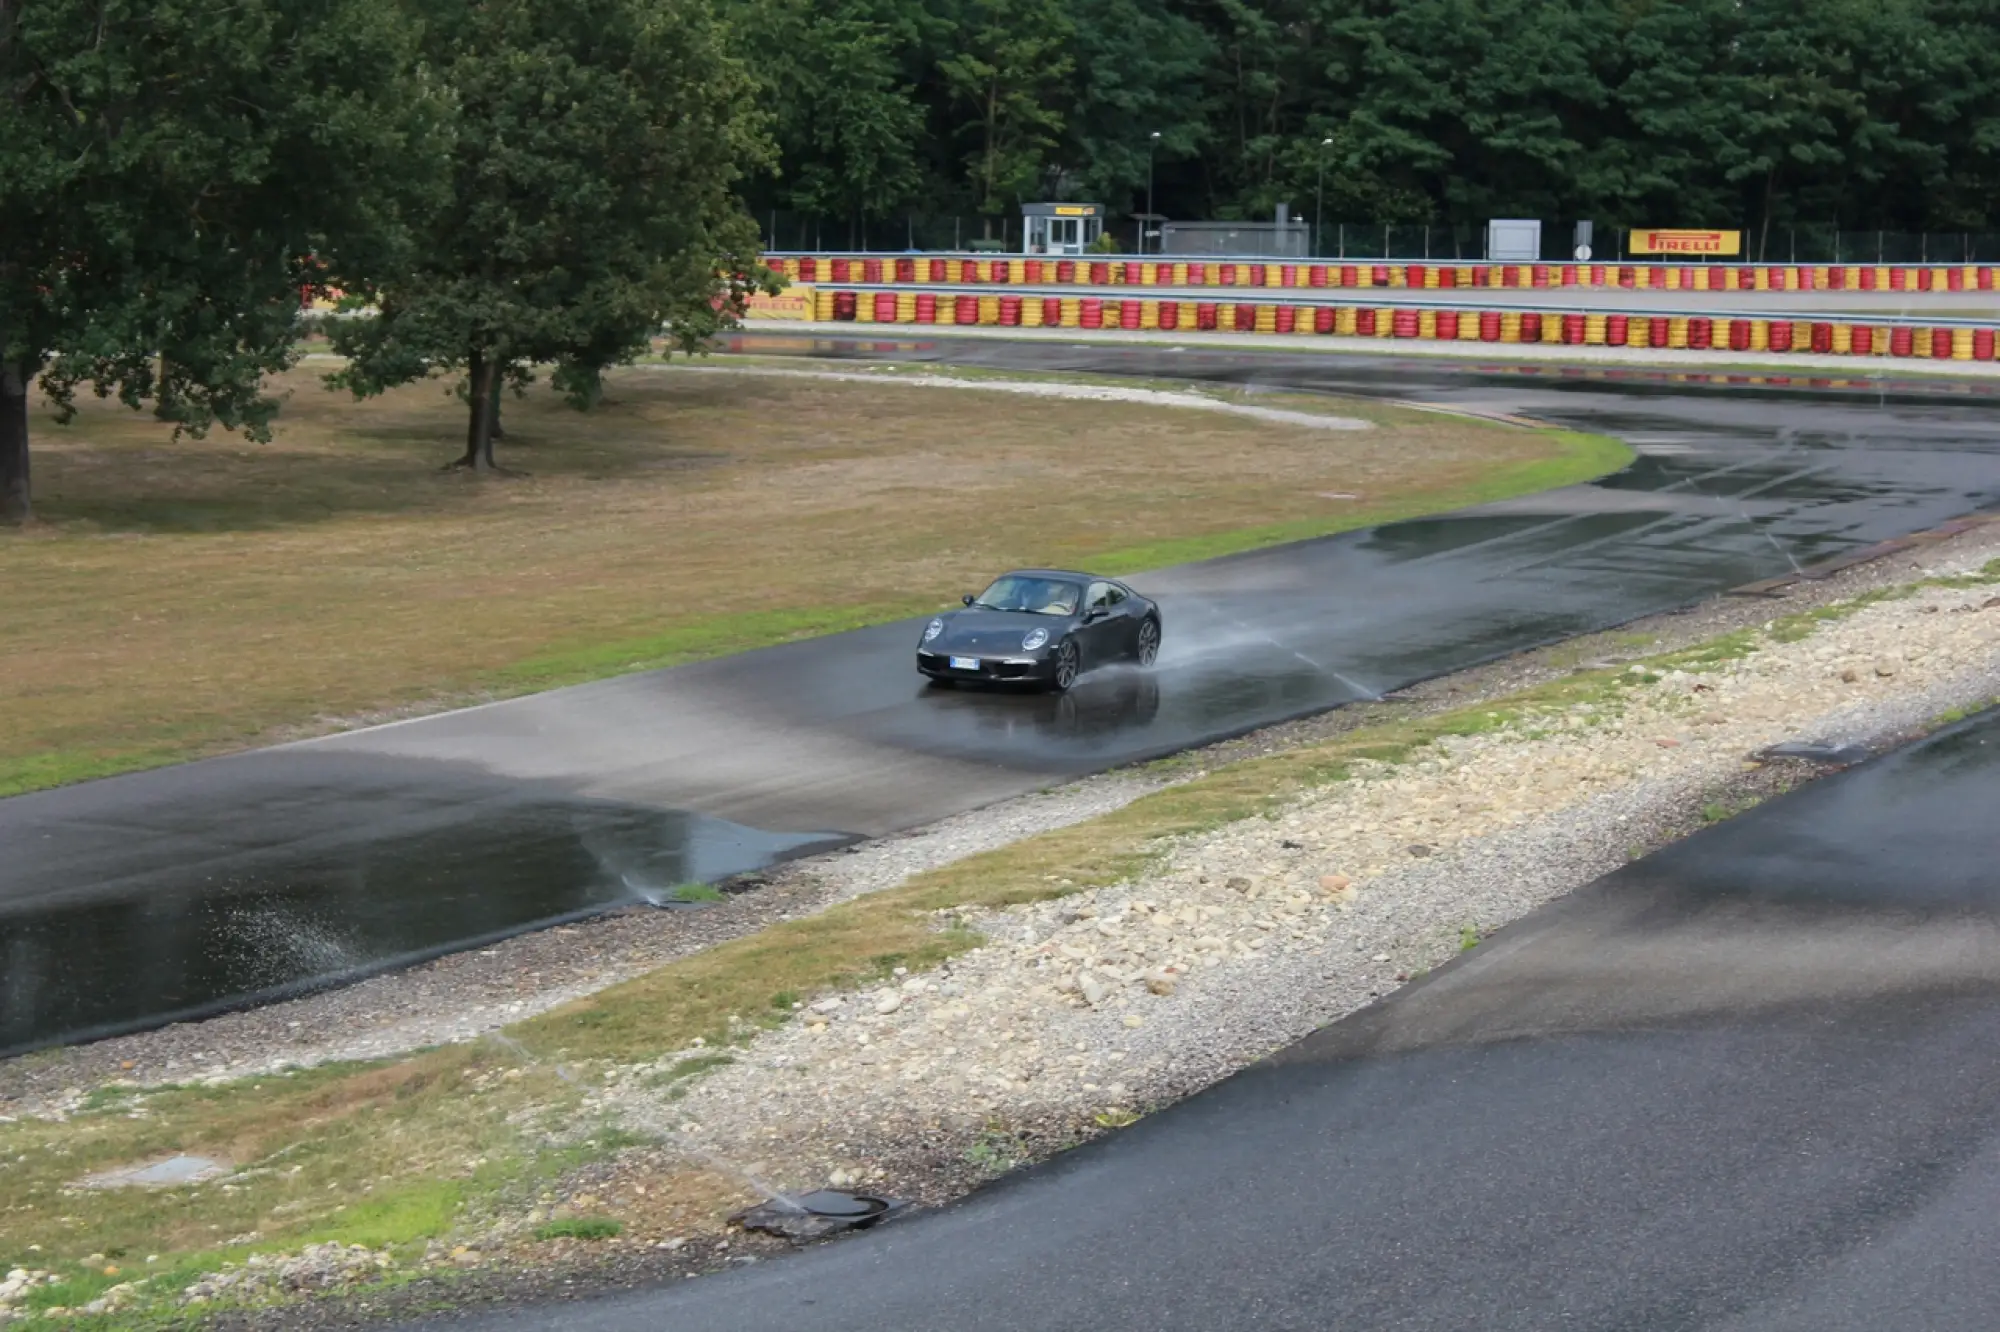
(1745, 1084)
(130, 901)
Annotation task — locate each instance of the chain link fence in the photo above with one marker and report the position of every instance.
(792, 233)
(1459, 242)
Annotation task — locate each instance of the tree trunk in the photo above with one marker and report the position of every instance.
(493, 430)
(15, 499)
(484, 373)
(163, 408)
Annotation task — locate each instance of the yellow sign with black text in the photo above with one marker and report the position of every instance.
(794, 302)
(1668, 241)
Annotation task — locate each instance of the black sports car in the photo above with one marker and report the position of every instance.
(1044, 626)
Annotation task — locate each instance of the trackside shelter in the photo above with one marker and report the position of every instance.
(1060, 228)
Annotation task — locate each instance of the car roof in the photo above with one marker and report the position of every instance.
(1057, 573)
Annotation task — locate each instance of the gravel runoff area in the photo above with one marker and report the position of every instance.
(1035, 388)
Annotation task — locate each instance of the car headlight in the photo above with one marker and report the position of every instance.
(933, 629)
(1035, 638)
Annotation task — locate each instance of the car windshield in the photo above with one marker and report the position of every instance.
(1040, 596)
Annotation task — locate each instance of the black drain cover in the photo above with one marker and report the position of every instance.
(832, 1202)
(816, 1215)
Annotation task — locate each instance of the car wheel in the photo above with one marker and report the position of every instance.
(1068, 663)
(1149, 642)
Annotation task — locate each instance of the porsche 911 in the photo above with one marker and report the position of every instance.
(1043, 627)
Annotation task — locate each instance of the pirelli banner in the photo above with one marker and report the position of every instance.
(794, 302)
(1664, 240)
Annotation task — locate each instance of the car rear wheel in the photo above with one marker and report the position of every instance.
(1149, 642)
(1068, 664)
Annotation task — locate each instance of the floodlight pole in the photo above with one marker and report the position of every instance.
(1319, 195)
(1151, 144)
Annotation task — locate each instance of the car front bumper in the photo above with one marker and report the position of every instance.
(937, 665)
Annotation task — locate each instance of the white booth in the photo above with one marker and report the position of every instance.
(1060, 228)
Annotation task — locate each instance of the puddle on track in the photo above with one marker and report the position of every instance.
(262, 884)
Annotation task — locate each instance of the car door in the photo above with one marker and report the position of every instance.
(1099, 633)
(1123, 614)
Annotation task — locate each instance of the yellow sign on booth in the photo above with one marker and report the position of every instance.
(1659, 240)
(794, 302)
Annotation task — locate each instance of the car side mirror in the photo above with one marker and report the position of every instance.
(965, 600)
(1096, 613)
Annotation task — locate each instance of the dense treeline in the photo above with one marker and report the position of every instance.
(1865, 113)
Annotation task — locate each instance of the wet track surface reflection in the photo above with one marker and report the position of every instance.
(123, 902)
(271, 878)
(1744, 1085)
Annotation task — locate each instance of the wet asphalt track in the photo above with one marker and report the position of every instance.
(1745, 1085)
(127, 901)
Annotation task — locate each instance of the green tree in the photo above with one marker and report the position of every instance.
(1009, 82)
(846, 122)
(1466, 105)
(168, 171)
(1140, 67)
(596, 145)
(1953, 110)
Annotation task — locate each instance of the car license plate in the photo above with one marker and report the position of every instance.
(965, 663)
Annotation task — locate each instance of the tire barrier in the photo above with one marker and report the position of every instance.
(1428, 275)
(1959, 341)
